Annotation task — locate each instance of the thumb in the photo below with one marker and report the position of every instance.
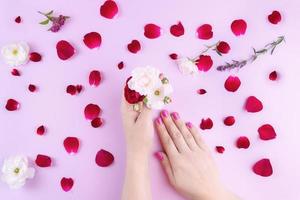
(165, 162)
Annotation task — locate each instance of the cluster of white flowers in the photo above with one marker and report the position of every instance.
(15, 54)
(148, 81)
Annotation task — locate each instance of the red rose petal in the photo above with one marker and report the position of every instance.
(273, 76)
(104, 158)
(64, 50)
(92, 111)
(177, 29)
(97, 122)
(220, 149)
(253, 104)
(41, 130)
(132, 96)
(134, 46)
(71, 145)
(243, 142)
(239, 27)
(79, 88)
(71, 89)
(32, 88)
(92, 40)
(152, 31)
(12, 105)
(274, 17)
(223, 47)
(66, 184)
(204, 63)
(201, 91)
(232, 83)
(95, 78)
(109, 9)
(206, 124)
(15, 72)
(205, 32)
(35, 57)
(18, 19)
(263, 167)
(43, 161)
(173, 56)
(229, 121)
(121, 65)
(266, 132)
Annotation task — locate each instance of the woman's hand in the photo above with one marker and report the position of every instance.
(187, 161)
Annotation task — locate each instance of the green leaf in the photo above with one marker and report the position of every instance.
(49, 13)
(45, 22)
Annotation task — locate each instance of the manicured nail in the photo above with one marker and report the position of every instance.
(158, 121)
(189, 125)
(159, 156)
(175, 115)
(165, 113)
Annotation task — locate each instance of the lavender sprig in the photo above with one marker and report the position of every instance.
(270, 47)
(57, 22)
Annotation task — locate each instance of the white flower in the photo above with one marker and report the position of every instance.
(15, 54)
(159, 96)
(15, 171)
(144, 79)
(187, 66)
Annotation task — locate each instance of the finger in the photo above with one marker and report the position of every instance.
(174, 132)
(165, 162)
(127, 111)
(200, 142)
(165, 139)
(188, 137)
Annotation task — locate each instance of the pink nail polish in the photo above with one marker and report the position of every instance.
(175, 115)
(159, 156)
(158, 121)
(189, 125)
(165, 113)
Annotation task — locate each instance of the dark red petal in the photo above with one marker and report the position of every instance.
(266, 132)
(71, 145)
(132, 96)
(41, 130)
(229, 121)
(177, 29)
(201, 91)
(92, 40)
(206, 124)
(79, 88)
(223, 47)
(97, 122)
(263, 167)
(12, 105)
(15, 72)
(64, 50)
(274, 17)
(273, 76)
(173, 56)
(205, 32)
(35, 57)
(232, 83)
(121, 65)
(152, 31)
(92, 111)
(18, 19)
(66, 184)
(109, 9)
(243, 142)
(204, 63)
(71, 89)
(95, 78)
(32, 88)
(253, 104)
(134, 46)
(220, 149)
(104, 158)
(239, 27)
(43, 161)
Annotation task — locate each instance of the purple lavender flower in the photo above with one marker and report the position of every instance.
(57, 22)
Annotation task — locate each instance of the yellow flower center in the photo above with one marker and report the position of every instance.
(17, 170)
(157, 92)
(15, 52)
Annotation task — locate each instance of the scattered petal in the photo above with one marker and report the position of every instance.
(79, 88)
(97, 122)
(206, 124)
(173, 56)
(204, 63)
(273, 76)
(92, 40)
(41, 130)
(15, 72)
(104, 158)
(274, 17)
(132, 96)
(220, 149)
(223, 47)
(95, 78)
(201, 91)
(151, 31)
(121, 65)
(239, 27)
(232, 83)
(263, 167)
(253, 104)
(18, 19)
(64, 50)
(205, 32)
(32, 88)
(71, 145)
(266, 132)
(43, 161)
(92, 111)
(109, 9)
(134, 46)
(35, 57)
(177, 29)
(243, 142)
(66, 184)
(229, 121)
(71, 89)
(12, 105)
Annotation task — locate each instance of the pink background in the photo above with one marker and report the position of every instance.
(62, 114)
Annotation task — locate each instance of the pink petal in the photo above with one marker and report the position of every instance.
(40, 130)
(97, 122)
(173, 56)
(273, 76)
(204, 63)
(79, 88)
(177, 29)
(15, 72)
(92, 111)
(71, 145)
(201, 91)
(274, 17)
(12, 105)
(18, 19)
(134, 46)
(66, 184)
(266, 132)
(243, 142)
(263, 168)
(43, 160)
(253, 104)
(104, 158)
(229, 121)
(152, 31)
(232, 83)
(64, 50)
(109, 9)
(206, 124)
(35, 57)
(121, 65)
(220, 149)
(239, 27)
(223, 47)
(71, 89)
(95, 78)
(205, 32)
(92, 40)
(32, 88)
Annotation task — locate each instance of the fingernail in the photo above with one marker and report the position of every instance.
(175, 115)
(189, 124)
(159, 156)
(158, 121)
(165, 113)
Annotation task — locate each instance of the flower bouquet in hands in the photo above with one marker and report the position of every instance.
(148, 86)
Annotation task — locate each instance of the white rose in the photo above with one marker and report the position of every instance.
(15, 171)
(159, 96)
(15, 54)
(144, 79)
(187, 66)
